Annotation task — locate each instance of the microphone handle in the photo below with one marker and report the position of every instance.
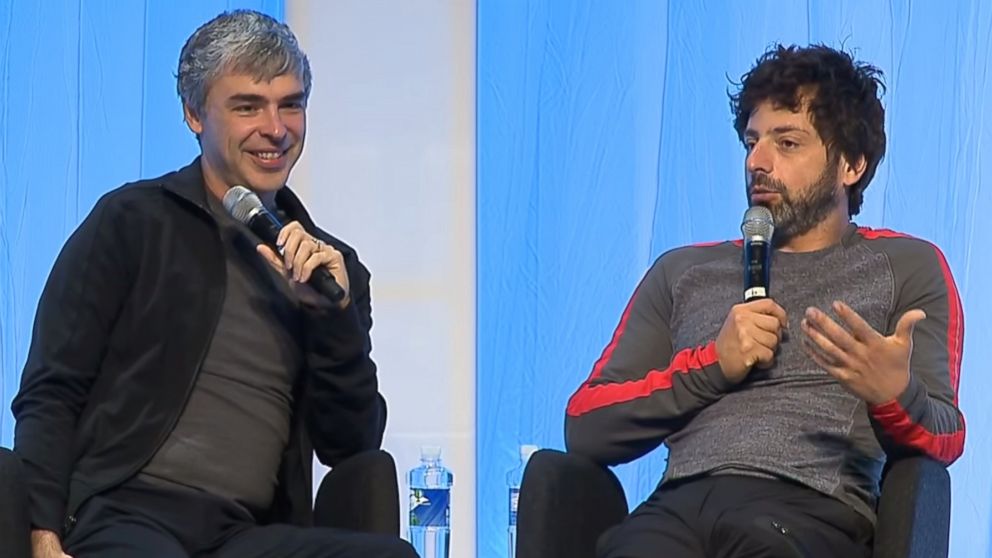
(757, 264)
(267, 227)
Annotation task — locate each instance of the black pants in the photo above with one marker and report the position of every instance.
(727, 516)
(149, 521)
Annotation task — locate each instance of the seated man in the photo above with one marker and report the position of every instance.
(181, 373)
(778, 413)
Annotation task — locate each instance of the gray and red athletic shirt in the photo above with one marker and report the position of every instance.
(658, 380)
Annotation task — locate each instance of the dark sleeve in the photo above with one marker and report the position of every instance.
(641, 390)
(925, 418)
(76, 313)
(345, 413)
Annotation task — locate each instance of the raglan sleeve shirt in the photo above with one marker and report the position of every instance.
(641, 390)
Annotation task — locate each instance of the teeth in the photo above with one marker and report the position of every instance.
(268, 154)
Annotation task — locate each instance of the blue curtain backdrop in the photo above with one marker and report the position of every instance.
(87, 102)
(605, 138)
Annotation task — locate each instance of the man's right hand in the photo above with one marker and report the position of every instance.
(46, 544)
(749, 337)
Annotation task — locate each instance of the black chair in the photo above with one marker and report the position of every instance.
(15, 528)
(567, 502)
(359, 494)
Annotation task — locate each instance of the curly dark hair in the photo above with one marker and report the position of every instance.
(843, 98)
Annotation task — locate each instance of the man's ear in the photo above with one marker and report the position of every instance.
(849, 173)
(192, 120)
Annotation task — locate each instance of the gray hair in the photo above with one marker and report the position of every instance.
(241, 42)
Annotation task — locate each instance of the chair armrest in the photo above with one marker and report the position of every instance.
(566, 503)
(360, 494)
(15, 526)
(914, 510)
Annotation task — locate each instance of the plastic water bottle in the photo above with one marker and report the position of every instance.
(513, 480)
(430, 505)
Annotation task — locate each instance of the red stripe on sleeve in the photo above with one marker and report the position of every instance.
(597, 369)
(897, 423)
(955, 325)
(737, 242)
(872, 234)
(591, 397)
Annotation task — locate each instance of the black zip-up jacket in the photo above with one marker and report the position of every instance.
(122, 328)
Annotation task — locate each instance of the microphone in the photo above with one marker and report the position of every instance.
(246, 208)
(758, 227)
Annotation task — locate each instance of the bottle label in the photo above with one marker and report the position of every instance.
(514, 501)
(429, 507)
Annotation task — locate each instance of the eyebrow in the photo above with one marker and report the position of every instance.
(778, 130)
(253, 98)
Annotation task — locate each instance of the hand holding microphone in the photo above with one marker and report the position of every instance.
(749, 337)
(316, 270)
(753, 329)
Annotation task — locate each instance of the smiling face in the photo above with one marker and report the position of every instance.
(251, 132)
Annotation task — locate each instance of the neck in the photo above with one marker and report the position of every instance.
(829, 232)
(217, 186)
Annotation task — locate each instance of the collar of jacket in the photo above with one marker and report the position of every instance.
(187, 183)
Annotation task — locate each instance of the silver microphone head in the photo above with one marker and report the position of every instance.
(242, 203)
(758, 224)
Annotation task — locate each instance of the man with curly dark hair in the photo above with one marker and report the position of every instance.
(779, 413)
(841, 98)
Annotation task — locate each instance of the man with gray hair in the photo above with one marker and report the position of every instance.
(181, 372)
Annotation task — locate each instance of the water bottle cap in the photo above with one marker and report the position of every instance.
(526, 451)
(430, 453)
